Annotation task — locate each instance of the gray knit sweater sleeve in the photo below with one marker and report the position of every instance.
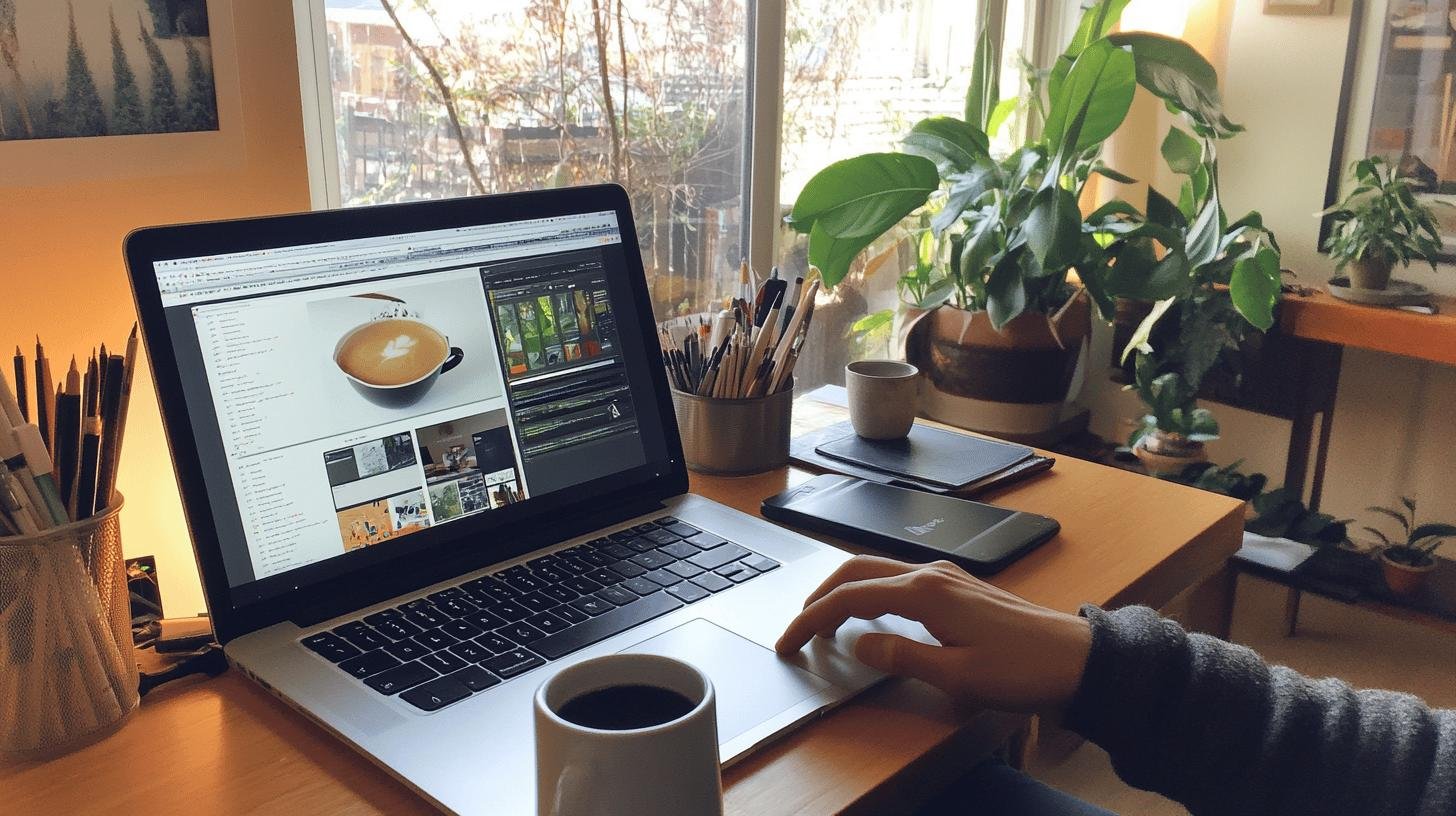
(1212, 726)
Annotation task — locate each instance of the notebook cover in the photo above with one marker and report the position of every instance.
(949, 460)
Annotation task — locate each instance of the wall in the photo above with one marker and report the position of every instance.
(60, 257)
(1281, 79)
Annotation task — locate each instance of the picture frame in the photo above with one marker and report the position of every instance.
(1299, 7)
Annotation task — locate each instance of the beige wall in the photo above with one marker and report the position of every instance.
(60, 248)
(1281, 79)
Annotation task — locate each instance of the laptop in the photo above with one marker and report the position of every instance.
(428, 457)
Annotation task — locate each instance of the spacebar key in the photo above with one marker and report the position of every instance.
(605, 625)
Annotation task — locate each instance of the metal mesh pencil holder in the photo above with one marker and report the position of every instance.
(68, 674)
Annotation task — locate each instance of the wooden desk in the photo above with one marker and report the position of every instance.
(224, 746)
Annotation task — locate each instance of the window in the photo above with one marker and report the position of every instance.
(412, 99)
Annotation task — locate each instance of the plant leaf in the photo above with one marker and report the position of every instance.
(1435, 530)
(1053, 228)
(1102, 82)
(965, 188)
(1405, 523)
(1095, 24)
(1000, 114)
(1140, 338)
(1183, 153)
(1174, 71)
(1164, 212)
(1005, 292)
(1205, 232)
(1254, 287)
(864, 196)
(953, 145)
(833, 255)
(1121, 178)
(875, 321)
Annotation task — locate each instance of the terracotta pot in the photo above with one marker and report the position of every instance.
(1170, 457)
(1370, 273)
(1404, 579)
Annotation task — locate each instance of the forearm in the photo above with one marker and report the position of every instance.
(1210, 725)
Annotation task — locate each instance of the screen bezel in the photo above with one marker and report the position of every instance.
(378, 573)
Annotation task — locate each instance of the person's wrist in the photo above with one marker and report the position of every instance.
(1072, 644)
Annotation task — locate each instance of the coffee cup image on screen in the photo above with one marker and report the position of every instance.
(394, 361)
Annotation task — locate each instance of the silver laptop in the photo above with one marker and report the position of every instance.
(428, 457)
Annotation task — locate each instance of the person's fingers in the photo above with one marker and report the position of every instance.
(904, 657)
(866, 600)
(860, 568)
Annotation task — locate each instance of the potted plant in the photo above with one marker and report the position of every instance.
(1172, 435)
(1008, 269)
(1405, 565)
(1380, 224)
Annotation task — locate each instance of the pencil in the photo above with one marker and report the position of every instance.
(68, 438)
(108, 490)
(22, 394)
(91, 389)
(90, 452)
(45, 396)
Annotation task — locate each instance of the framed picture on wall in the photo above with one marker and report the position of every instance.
(1398, 101)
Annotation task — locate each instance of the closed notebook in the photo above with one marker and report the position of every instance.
(944, 458)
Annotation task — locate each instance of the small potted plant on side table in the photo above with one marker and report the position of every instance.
(1171, 435)
(1378, 225)
(1406, 565)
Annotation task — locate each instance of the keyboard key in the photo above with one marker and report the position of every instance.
(762, 563)
(682, 529)
(509, 611)
(652, 560)
(543, 562)
(665, 521)
(560, 594)
(622, 536)
(592, 605)
(642, 545)
(619, 551)
(522, 633)
(475, 678)
(736, 572)
(485, 621)
(446, 594)
(597, 559)
(436, 694)
(444, 662)
(574, 566)
(524, 583)
(547, 622)
(433, 639)
(617, 595)
(330, 646)
(684, 569)
(406, 650)
(569, 613)
(397, 628)
(603, 576)
(660, 537)
(495, 643)
(706, 541)
(469, 651)
(369, 663)
(598, 543)
(679, 549)
(418, 604)
(383, 615)
(627, 569)
(718, 556)
(688, 592)
(363, 637)
(712, 582)
(662, 578)
(645, 527)
(457, 607)
(516, 661)
(600, 628)
(550, 575)
(641, 586)
(519, 569)
(493, 593)
(582, 586)
(400, 678)
(461, 629)
(536, 602)
(425, 619)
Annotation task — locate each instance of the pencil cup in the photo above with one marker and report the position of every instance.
(734, 437)
(68, 676)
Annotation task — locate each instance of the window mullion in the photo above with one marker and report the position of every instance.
(319, 136)
(766, 69)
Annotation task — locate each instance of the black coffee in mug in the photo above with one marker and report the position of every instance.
(625, 708)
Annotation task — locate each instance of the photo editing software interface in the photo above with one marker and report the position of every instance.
(346, 394)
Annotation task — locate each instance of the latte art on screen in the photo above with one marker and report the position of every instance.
(392, 352)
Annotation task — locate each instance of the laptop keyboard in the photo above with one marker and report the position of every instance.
(440, 649)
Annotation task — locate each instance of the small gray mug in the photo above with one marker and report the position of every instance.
(883, 397)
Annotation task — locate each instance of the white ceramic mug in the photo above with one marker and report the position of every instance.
(665, 769)
(883, 397)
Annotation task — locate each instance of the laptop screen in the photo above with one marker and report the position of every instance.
(351, 396)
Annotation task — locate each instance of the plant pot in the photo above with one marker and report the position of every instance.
(1013, 381)
(1370, 273)
(1403, 579)
(1167, 455)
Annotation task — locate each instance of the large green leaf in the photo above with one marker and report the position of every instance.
(1206, 232)
(1000, 114)
(1254, 287)
(1140, 275)
(985, 87)
(982, 243)
(1054, 228)
(1101, 82)
(1176, 72)
(864, 196)
(1164, 212)
(1096, 23)
(833, 255)
(953, 145)
(965, 189)
(1183, 153)
(1005, 292)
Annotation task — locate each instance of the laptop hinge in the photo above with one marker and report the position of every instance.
(443, 569)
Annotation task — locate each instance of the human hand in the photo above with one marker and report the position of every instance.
(997, 650)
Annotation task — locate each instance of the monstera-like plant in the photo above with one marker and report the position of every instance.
(1009, 267)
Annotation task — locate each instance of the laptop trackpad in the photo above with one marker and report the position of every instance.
(751, 682)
